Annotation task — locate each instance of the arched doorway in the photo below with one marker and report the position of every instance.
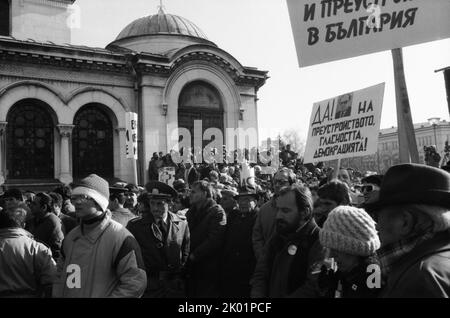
(200, 101)
(30, 141)
(92, 143)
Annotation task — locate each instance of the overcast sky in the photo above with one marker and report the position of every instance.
(258, 34)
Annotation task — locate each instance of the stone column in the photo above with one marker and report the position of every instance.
(119, 167)
(65, 132)
(2, 150)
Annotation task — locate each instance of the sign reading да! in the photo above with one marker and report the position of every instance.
(329, 30)
(345, 126)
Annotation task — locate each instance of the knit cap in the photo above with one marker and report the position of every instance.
(350, 230)
(94, 187)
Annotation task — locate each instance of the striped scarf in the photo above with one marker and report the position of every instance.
(391, 253)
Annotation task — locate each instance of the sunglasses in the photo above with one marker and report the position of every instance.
(367, 188)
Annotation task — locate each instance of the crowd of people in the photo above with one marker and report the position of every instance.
(302, 232)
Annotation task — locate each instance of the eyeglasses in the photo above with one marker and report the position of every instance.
(367, 188)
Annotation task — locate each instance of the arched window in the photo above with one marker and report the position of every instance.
(30, 141)
(200, 101)
(92, 150)
(5, 17)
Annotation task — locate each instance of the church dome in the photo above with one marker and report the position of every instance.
(161, 24)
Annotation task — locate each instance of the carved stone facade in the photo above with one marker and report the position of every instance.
(68, 78)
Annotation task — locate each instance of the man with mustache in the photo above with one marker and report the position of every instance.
(292, 256)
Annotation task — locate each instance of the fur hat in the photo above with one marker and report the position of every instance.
(94, 187)
(350, 230)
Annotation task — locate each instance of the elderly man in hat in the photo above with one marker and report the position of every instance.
(164, 239)
(413, 215)
(238, 259)
(100, 258)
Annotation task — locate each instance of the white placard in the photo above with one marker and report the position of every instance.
(345, 126)
(330, 30)
(131, 150)
(166, 175)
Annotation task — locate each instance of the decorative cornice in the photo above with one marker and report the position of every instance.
(65, 130)
(105, 61)
(238, 77)
(62, 61)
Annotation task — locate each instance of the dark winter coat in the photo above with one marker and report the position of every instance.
(353, 284)
(238, 259)
(164, 261)
(48, 230)
(286, 265)
(207, 227)
(422, 273)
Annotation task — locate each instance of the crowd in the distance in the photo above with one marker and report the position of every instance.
(300, 232)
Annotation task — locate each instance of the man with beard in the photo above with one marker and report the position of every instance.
(293, 255)
(265, 220)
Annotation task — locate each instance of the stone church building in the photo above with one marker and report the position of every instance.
(62, 106)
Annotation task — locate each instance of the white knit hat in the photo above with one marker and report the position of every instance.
(94, 187)
(350, 230)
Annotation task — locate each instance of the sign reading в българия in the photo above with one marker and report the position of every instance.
(329, 30)
(345, 126)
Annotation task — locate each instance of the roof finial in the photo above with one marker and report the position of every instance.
(161, 7)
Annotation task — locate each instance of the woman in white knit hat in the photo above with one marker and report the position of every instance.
(351, 237)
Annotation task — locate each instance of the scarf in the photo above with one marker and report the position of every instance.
(391, 253)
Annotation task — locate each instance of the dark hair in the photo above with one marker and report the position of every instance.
(46, 199)
(63, 190)
(132, 188)
(120, 196)
(57, 198)
(203, 186)
(13, 193)
(12, 219)
(292, 177)
(335, 190)
(144, 198)
(303, 197)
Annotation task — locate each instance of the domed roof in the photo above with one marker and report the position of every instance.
(161, 23)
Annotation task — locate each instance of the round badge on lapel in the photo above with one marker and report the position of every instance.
(292, 250)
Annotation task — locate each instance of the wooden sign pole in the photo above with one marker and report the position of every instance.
(406, 137)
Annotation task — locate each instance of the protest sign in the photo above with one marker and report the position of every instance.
(247, 176)
(345, 126)
(330, 30)
(131, 135)
(166, 175)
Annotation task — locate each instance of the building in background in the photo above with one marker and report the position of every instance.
(434, 132)
(62, 107)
